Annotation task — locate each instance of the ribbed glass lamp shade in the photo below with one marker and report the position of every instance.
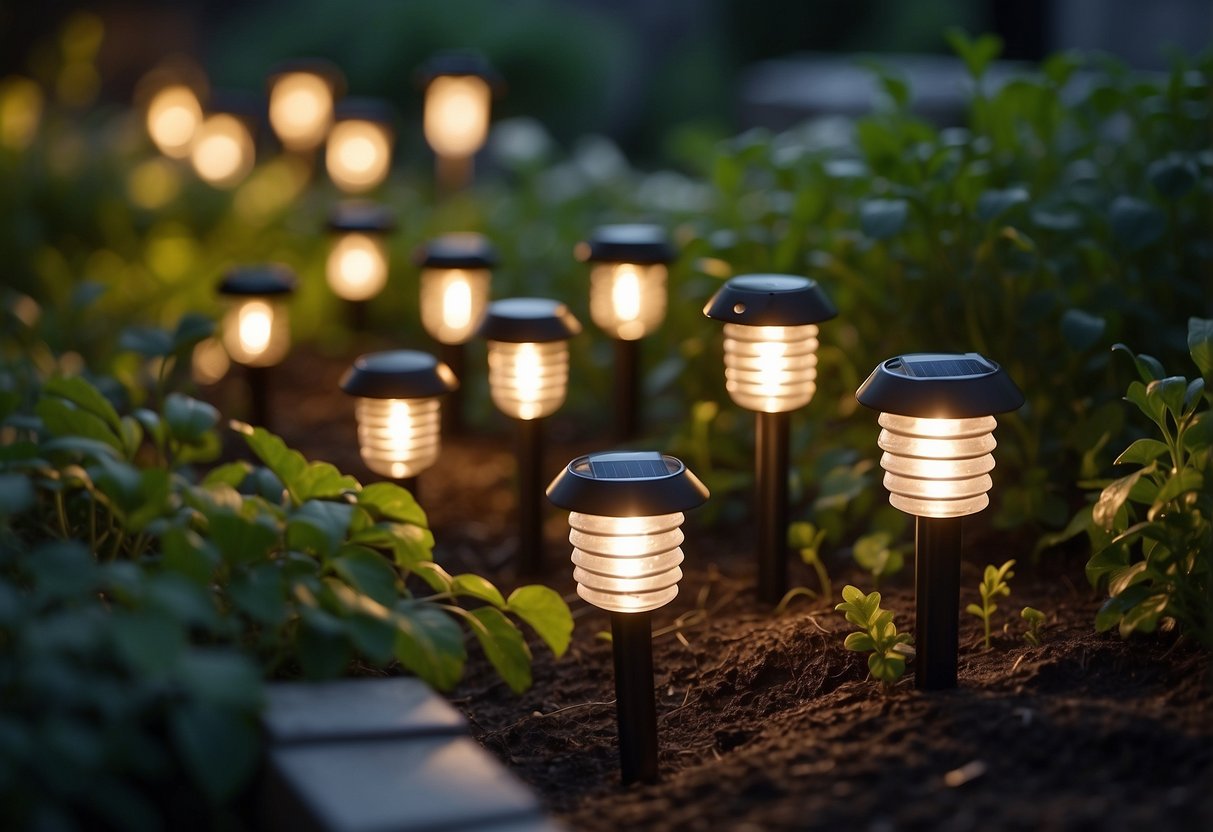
(301, 109)
(453, 302)
(357, 266)
(528, 380)
(358, 154)
(256, 331)
(628, 301)
(173, 117)
(456, 120)
(399, 438)
(626, 564)
(771, 369)
(222, 151)
(937, 467)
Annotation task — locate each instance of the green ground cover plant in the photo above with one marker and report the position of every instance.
(995, 583)
(877, 635)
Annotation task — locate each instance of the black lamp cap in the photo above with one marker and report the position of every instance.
(522, 320)
(365, 109)
(398, 374)
(458, 62)
(360, 215)
(770, 300)
(326, 69)
(457, 250)
(627, 484)
(268, 279)
(940, 386)
(639, 243)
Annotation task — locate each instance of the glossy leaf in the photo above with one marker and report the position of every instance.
(546, 613)
(430, 644)
(504, 646)
(883, 218)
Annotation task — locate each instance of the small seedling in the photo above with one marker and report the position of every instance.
(1036, 624)
(875, 553)
(993, 584)
(877, 634)
(807, 539)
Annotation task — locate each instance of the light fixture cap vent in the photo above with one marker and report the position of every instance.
(457, 250)
(459, 62)
(770, 300)
(640, 243)
(523, 320)
(398, 374)
(627, 484)
(940, 386)
(361, 216)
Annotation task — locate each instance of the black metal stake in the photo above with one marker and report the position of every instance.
(937, 601)
(530, 490)
(357, 314)
(771, 504)
(453, 355)
(258, 380)
(409, 484)
(635, 702)
(627, 400)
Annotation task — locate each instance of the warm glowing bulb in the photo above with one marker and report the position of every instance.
(453, 302)
(937, 467)
(222, 151)
(771, 369)
(399, 437)
(626, 564)
(359, 154)
(256, 332)
(173, 117)
(628, 301)
(301, 109)
(456, 120)
(357, 267)
(528, 380)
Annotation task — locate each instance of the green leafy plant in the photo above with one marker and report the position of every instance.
(877, 554)
(806, 539)
(994, 583)
(877, 635)
(1152, 529)
(1035, 620)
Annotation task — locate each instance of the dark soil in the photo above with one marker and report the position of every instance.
(767, 723)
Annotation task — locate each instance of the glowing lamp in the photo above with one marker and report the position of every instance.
(398, 409)
(256, 325)
(357, 266)
(301, 102)
(770, 367)
(625, 527)
(222, 151)
(458, 98)
(937, 420)
(174, 115)
(358, 155)
(456, 276)
(528, 378)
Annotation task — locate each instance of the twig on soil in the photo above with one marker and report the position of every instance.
(541, 715)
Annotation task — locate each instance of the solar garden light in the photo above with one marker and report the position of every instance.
(358, 155)
(770, 367)
(456, 277)
(938, 435)
(223, 151)
(301, 103)
(173, 116)
(458, 98)
(398, 410)
(627, 301)
(357, 266)
(625, 517)
(256, 326)
(528, 380)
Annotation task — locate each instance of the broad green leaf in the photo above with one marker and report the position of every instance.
(150, 341)
(1151, 406)
(240, 540)
(1199, 434)
(977, 53)
(1193, 394)
(852, 594)
(221, 677)
(388, 501)
(65, 420)
(62, 570)
(131, 434)
(230, 474)
(323, 648)
(321, 480)
(85, 397)
(287, 465)
(1147, 366)
(859, 642)
(994, 203)
(887, 667)
(883, 218)
(188, 419)
(1170, 391)
(1142, 452)
(1124, 577)
(1175, 486)
(546, 613)
(974, 609)
(367, 571)
(186, 553)
(149, 642)
(191, 329)
(430, 644)
(504, 646)
(259, 592)
(434, 575)
(374, 637)
(410, 545)
(1143, 617)
(1081, 329)
(474, 586)
(318, 526)
(1172, 176)
(1114, 496)
(16, 494)
(1200, 345)
(220, 747)
(1135, 224)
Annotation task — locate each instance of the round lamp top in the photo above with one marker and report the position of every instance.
(268, 279)
(398, 374)
(637, 243)
(312, 66)
(457, 63)
(364, 109)
(940, 386)
(522, 320)
(458, 250)
(627, 484)
(357, 215)
(770, 300)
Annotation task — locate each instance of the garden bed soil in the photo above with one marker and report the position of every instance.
(767, 723)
